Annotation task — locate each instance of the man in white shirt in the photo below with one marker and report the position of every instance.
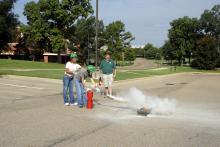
(71, 68)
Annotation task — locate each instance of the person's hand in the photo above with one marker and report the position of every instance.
(95, 85)
(87, 89)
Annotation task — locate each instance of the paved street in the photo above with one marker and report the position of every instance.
(32, 114)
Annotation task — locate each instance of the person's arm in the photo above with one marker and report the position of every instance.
(67, 70)
(83, 78)
(78, 66)
(83, 82)
(93, 82)
(114, 70)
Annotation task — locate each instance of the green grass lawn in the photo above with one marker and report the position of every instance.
(20, 64)
(56, 71)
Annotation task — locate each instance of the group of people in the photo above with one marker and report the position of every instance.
(76, 75)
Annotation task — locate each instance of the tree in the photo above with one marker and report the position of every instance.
(51, 22)
(84, 34)
(129, 54)
(117, 38)
(152, 52)
(8, 22)
(168, 52)
(183, 37)
(210, 22)
(205, 56)
(139, 52)
(210, 25)
(148, 46)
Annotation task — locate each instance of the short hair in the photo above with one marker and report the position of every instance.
(107, 53)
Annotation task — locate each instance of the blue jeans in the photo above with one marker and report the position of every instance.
(68, 85)
(81, 93)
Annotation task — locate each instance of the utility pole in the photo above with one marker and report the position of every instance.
(96, 38)
(88, 48)
(218, 43)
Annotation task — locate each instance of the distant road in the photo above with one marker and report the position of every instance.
(140, 64)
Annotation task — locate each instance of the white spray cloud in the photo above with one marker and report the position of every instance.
(137, 99)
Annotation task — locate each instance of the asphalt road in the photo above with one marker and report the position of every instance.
(32, 114)
(140, 64)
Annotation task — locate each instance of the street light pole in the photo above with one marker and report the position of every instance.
(88, 48)
(218, 43)
(96, 38)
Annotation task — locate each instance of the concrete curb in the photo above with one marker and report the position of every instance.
(32, 78)
(116, 82)
(168, 75)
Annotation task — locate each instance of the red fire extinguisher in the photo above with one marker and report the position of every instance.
(89, 99)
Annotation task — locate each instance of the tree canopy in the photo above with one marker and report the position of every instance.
(117, 38)
(206, 54)
(50, 22)
(151, 52)
(8, 22)
(183, 37)
(195, 38)
(84, 34)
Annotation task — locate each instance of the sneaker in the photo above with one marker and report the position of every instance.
(66, 104)
(110, 97)
(74, 104)
(106, 96)
(80, 106)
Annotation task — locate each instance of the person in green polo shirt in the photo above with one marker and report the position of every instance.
(108, 69)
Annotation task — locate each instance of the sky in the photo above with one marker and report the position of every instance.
(147, 20)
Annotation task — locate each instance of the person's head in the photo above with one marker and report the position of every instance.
(107, 56)
(73, 58)
(91, 69)
(77, 45)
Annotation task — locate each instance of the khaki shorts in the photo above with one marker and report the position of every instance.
(107, 80)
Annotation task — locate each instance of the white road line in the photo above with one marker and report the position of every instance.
(22, 86)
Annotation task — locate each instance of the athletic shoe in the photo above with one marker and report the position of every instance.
(66, 104)
(110, 97)
(74, 104)
(80, 106)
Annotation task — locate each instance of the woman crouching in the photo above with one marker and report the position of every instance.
(80, 79)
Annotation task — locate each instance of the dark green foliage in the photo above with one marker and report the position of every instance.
(169, 53)
(51, 22)
(84, 34)
(129, 54)
(8, 22)
(152, 52)
(183, 37)
(206, 55)
(117, 38)
(199, 38)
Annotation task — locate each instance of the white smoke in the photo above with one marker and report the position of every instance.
(137, 99)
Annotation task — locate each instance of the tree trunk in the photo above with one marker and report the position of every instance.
(184, 61)
(59, 59)
(179, 61)
(33, 59)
